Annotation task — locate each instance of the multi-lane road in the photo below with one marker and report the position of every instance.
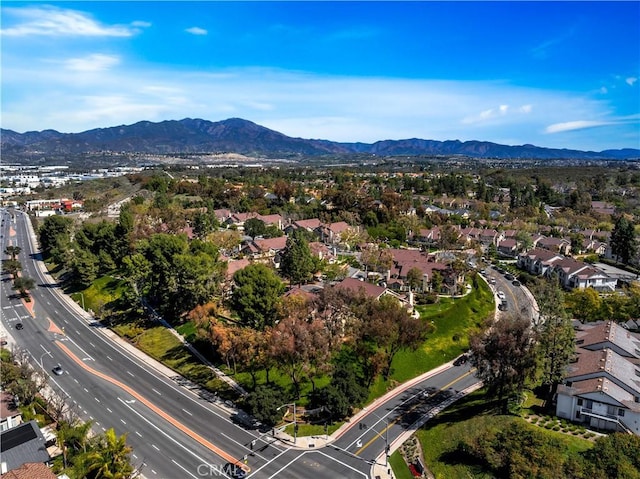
(174, 431)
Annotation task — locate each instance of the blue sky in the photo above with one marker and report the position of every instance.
(556, 74)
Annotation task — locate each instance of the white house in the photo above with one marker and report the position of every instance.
(602, 387)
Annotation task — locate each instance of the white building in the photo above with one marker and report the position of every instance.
(602, 387)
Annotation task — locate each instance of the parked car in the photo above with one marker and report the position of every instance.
(501, 295)
(509, 276)
(516, 283)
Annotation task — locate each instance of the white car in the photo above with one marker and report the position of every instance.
(501, 295)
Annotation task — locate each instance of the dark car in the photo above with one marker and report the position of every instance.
(234, 471)
(509, 276)
(516, 283)
(58, 371)
(461, 360)
(19, 326)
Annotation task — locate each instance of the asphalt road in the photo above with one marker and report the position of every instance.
(176, 433)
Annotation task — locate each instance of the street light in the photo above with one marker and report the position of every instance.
(42, 359)
(295, 425)
(82, 297)
(386, 436)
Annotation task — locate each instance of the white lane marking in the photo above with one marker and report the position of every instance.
(123, 422)
(97, 400)
(156, 391)
(109, 358)
(202, 460)
(130, 374)
(134, 456)
(184, 469)
(187, 412)
(103, 429)
(109, 410)
(340, 462)
(91, 417)
(97, 423)
(155, 447)
(66, 321)
(76, 381)
(92, 344)
(85, 390)
(154, 471)
(138, 433)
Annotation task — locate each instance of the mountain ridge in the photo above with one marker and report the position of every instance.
(236, 135)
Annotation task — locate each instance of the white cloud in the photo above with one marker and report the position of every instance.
(197, 31)
(631, 80)
(574, 125)
(54, 21)
(92, 63)
(525, 109)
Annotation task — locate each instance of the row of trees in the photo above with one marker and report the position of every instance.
(12, 266)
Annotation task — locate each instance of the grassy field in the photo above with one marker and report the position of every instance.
(103, 292)
(465, 420)
(452, 321)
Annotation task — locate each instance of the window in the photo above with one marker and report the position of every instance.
(569, 383)
(611, 410)
(580, 401)
(589, 404)
(621, 412)
(578, 414)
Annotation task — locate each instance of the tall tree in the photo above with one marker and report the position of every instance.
(54, 235)
(297, 262)
(555, 346)
(414, 278)
(623, 240)
(256, 295)
(387, 324)
(504, 355)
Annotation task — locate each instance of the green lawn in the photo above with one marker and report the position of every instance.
(160, 344)
(101, 293)
(452, 320)
(399, 466)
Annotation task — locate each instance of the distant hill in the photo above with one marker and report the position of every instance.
(236, 135)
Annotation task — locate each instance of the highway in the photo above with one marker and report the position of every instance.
(174, 431)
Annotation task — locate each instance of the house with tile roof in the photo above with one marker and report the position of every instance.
(602, 386)
(30, 470)
(537, 261)
(558, 245)
(332, 233)
(574, 274)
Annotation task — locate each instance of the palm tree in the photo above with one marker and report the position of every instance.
(74, 437)
(23, 284)
(12, 251)
(12, 266)
(109, 458)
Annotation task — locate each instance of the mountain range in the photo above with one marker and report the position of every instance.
(236, 135)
